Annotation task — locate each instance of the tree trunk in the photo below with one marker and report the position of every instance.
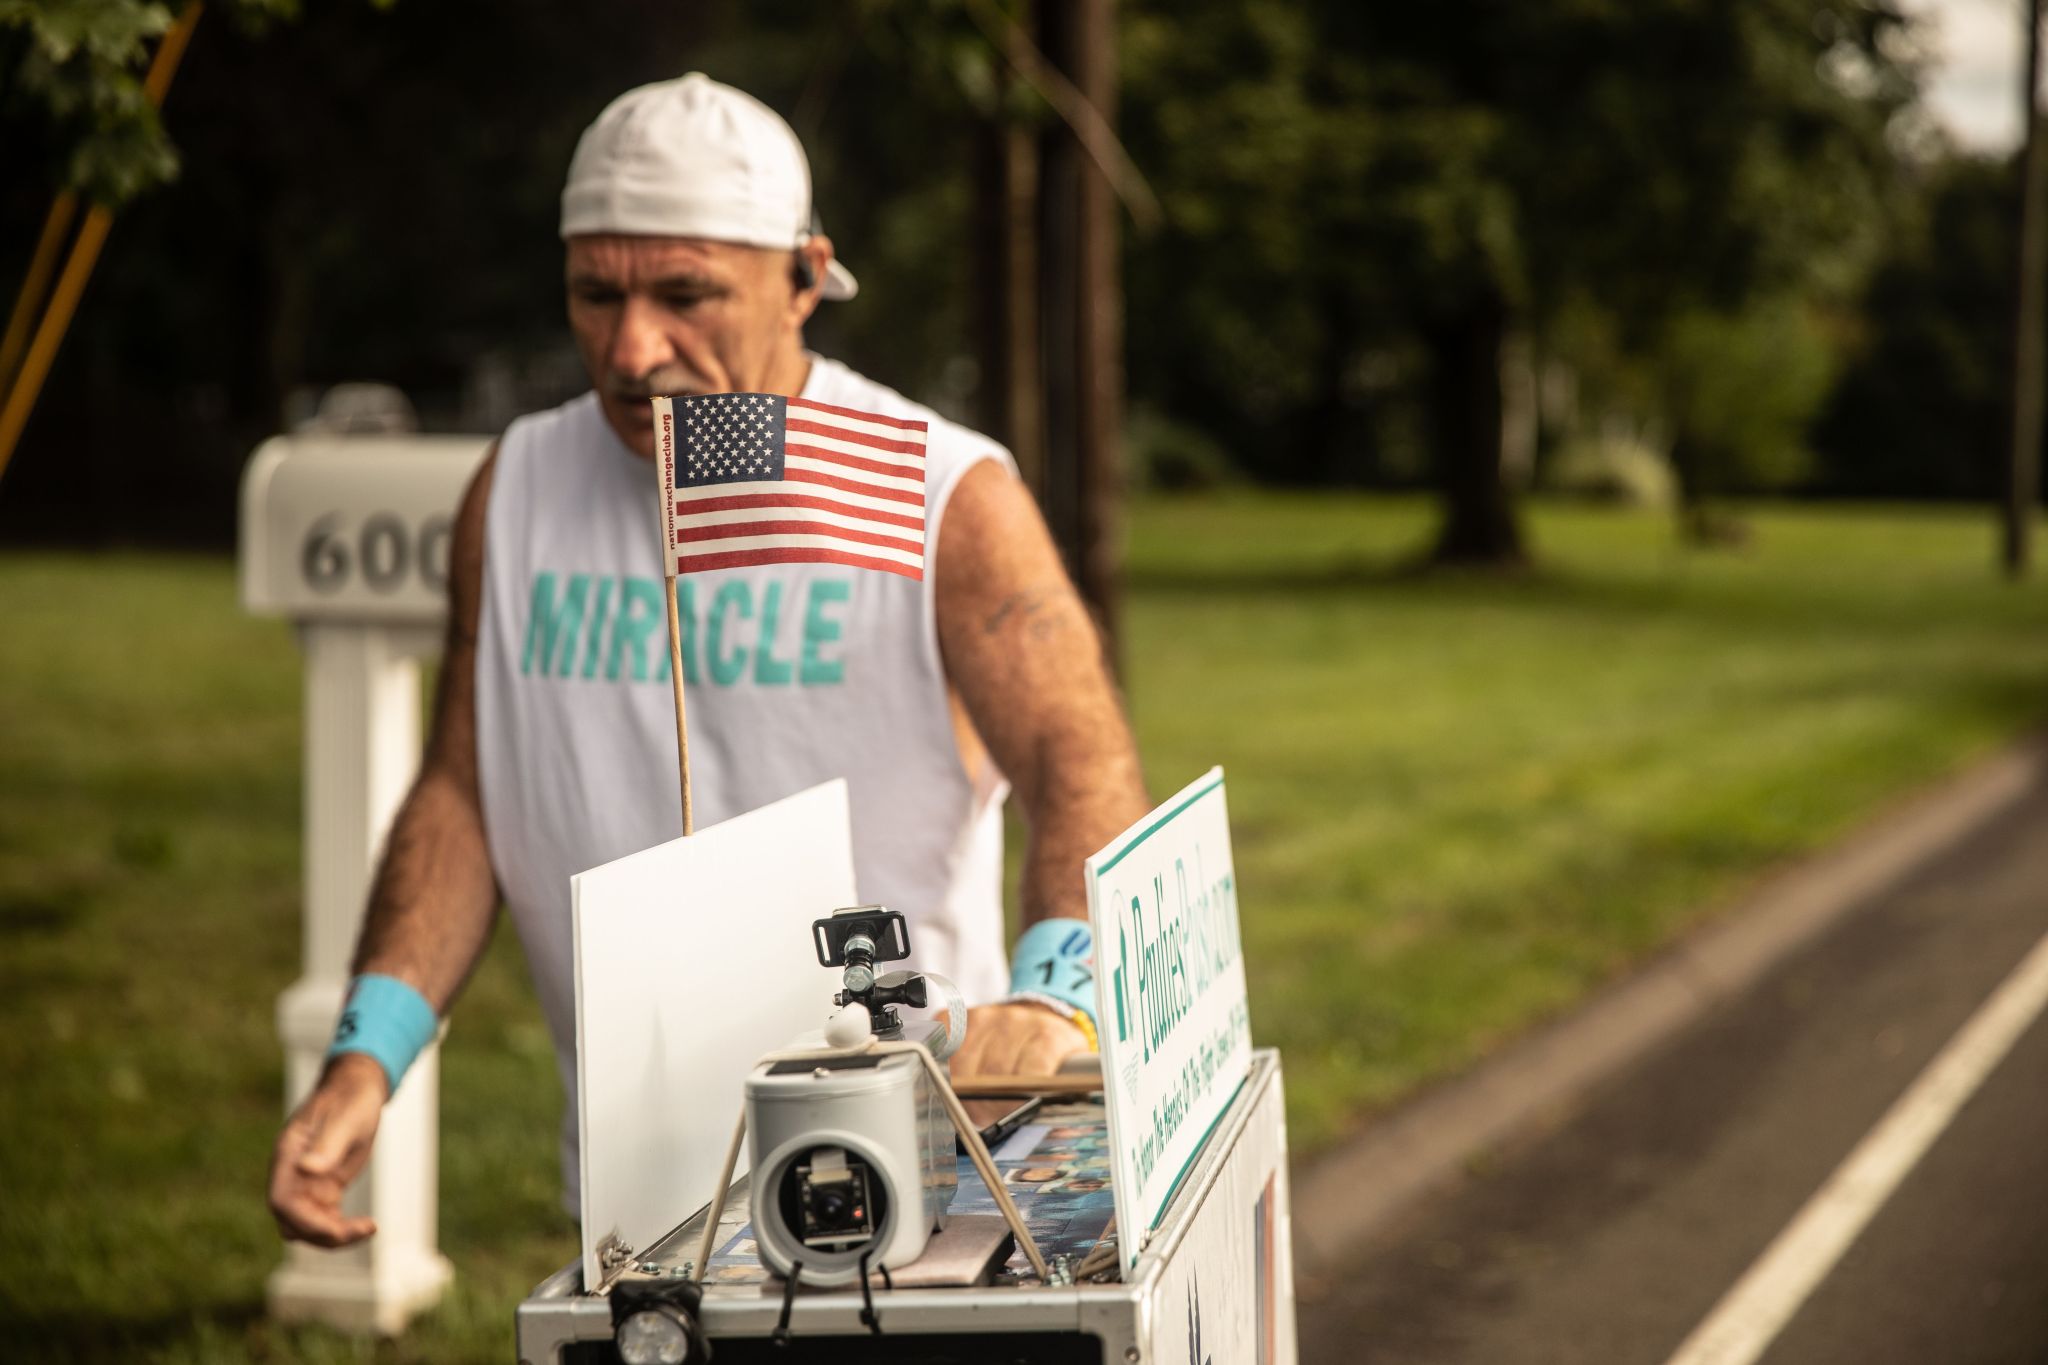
(1327, 421)
(286, 318)
(1479, 525)
(1700, 521)
(1012, 386)
(1082, 318)
(1696, 523)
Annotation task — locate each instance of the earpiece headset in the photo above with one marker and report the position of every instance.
(802, 272)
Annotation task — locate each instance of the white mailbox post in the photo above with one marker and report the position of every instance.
(348, 536)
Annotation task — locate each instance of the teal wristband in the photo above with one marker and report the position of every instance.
(1056, 957)
(387, 1020)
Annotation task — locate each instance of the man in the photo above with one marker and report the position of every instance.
(692, 265)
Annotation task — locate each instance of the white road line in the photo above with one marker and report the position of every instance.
(1750, 1315)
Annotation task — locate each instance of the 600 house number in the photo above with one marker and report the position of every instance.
(383, 553)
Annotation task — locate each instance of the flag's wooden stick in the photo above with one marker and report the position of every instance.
(663, 411)
(675, 673)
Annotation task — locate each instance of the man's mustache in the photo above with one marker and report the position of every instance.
(655, 384)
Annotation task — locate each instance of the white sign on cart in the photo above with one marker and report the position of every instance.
(692, 959)
(1170, 996)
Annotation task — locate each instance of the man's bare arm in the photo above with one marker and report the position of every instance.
(429, 917)
(1027, 662)
(434, 897)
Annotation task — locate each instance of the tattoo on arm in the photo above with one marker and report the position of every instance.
(1035, 609)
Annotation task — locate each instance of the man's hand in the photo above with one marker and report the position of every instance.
(323, 1147)
(430, 914)
(1016, 1040)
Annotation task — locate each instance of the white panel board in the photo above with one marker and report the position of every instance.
(693, 958)
(1170, 995)
(1227, 1292)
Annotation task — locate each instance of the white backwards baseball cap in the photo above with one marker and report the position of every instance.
(694, 158)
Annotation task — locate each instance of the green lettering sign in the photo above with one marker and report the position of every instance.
(552, 626)
(727, 666)
(770, 671)
(597, 623)
(821, 630)
(640, 613)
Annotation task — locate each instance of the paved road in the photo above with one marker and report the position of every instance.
(1610, 1238)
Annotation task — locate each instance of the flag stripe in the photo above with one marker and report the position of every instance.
(900, 423)
(745, 558)
(845, 433)
(792, 472)
(698, 535)
(722, 522)
(789, 549)
(807, 541)
(766, 501)
(912, 465)
(833, 467)
(781, 492)
(914, 473)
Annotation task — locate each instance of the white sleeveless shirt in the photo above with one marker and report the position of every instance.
(795, 674)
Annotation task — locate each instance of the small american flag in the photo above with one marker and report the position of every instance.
(756, 478)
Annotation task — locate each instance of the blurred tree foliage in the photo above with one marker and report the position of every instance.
(1922, 409)
(74, 91)
(1367, 200)
(1668, 209)
(1739, 389)
(372, 192)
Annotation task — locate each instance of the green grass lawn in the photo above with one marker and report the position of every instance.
(1459, 804)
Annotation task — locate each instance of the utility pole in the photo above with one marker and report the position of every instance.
(2030, 322)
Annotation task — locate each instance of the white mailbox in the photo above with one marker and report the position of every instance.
(348, 536)
(353, 527)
